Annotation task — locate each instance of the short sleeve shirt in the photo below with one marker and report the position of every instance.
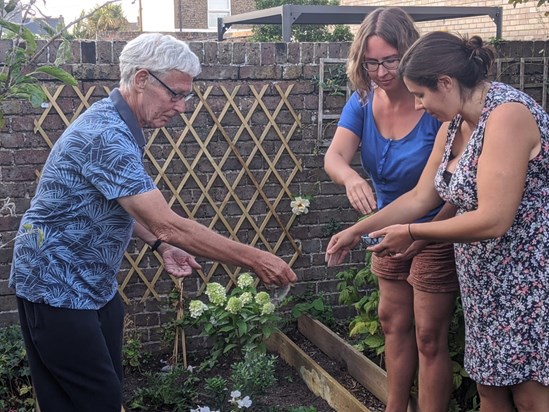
(84, 230)
(393, 165)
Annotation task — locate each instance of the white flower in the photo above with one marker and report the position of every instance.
(197, 308)
(300, 205)
(245, 403)
(216, 293)
(245, 280)
(246, 297)
(203, 409)
(235, 394)
(268, 308)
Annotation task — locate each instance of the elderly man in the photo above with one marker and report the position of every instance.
(92, 195)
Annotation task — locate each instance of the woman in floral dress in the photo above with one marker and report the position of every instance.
(491, 160)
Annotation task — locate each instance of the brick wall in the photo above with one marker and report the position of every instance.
(195, 13)
(23, 151)
(524, 22)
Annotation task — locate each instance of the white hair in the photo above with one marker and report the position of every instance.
(158, 53)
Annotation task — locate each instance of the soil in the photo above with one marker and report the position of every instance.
(290, 391)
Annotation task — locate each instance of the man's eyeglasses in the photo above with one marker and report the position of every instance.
(176, 97)
(372, 65)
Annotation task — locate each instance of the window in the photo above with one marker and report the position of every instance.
(217, 8)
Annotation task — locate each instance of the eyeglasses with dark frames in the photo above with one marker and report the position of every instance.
(176, 97)
(373, 65)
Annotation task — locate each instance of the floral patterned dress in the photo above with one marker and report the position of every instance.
(504, 281)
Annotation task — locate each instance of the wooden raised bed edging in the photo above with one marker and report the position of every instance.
(362, 369)
(317, 379)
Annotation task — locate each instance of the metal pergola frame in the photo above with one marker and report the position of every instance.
(288, 15)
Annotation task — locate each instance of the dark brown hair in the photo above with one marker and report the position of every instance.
(394, 26)
(441, 53)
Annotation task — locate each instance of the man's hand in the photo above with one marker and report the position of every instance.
(179, 263)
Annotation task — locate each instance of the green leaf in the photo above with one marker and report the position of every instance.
(30, 40)
(63, 53)
(10, 26)
(242, 327)
(59, 74)
(31, 92)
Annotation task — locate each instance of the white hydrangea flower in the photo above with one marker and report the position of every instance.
(216, 293)
(300, 206)
(234, 305)
(197, 308)
(262, 297)
(245, 280)
(268, 308)
(246, 297)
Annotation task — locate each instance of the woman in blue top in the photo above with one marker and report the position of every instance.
(418, 288)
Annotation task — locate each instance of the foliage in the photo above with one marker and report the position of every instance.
(332, 228)
(215, 391)
(15, 382)
(244, 319)
(335, 80)
(366, 323)
(539, 2)
(132, 353)
(300, 32)
(254, 374)
(175, 388)
(20, 75)
(314, 305)
(108, 18)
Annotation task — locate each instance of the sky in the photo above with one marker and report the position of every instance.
(156, 13)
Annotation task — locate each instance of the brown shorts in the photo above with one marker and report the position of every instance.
(433, 270)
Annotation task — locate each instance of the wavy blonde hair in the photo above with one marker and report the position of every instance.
(393, 25)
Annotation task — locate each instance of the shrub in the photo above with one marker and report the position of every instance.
(15, 383)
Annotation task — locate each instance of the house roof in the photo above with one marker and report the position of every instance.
(288, 15)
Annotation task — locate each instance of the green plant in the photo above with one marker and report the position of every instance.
(366, 323)
(303, 409)
(176, 389)
(132, 351)
(244, 319)
(15, 383)
(332, 228)
(19, 75)
(215, 390)
(316, 307)
(254, 374)
(335, 80)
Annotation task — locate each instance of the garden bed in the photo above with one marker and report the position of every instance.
(325, 373)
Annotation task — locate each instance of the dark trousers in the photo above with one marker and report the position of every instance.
(75, 356)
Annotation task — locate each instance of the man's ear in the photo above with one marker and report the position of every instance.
(445, 83)
(140, 78)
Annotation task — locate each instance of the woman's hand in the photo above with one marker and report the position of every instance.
(396, 241)
(339, 247)
(360, 195)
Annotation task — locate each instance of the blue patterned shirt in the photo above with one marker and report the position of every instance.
(97, 160)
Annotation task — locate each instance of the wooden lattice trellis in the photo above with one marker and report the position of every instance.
(217, 104)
